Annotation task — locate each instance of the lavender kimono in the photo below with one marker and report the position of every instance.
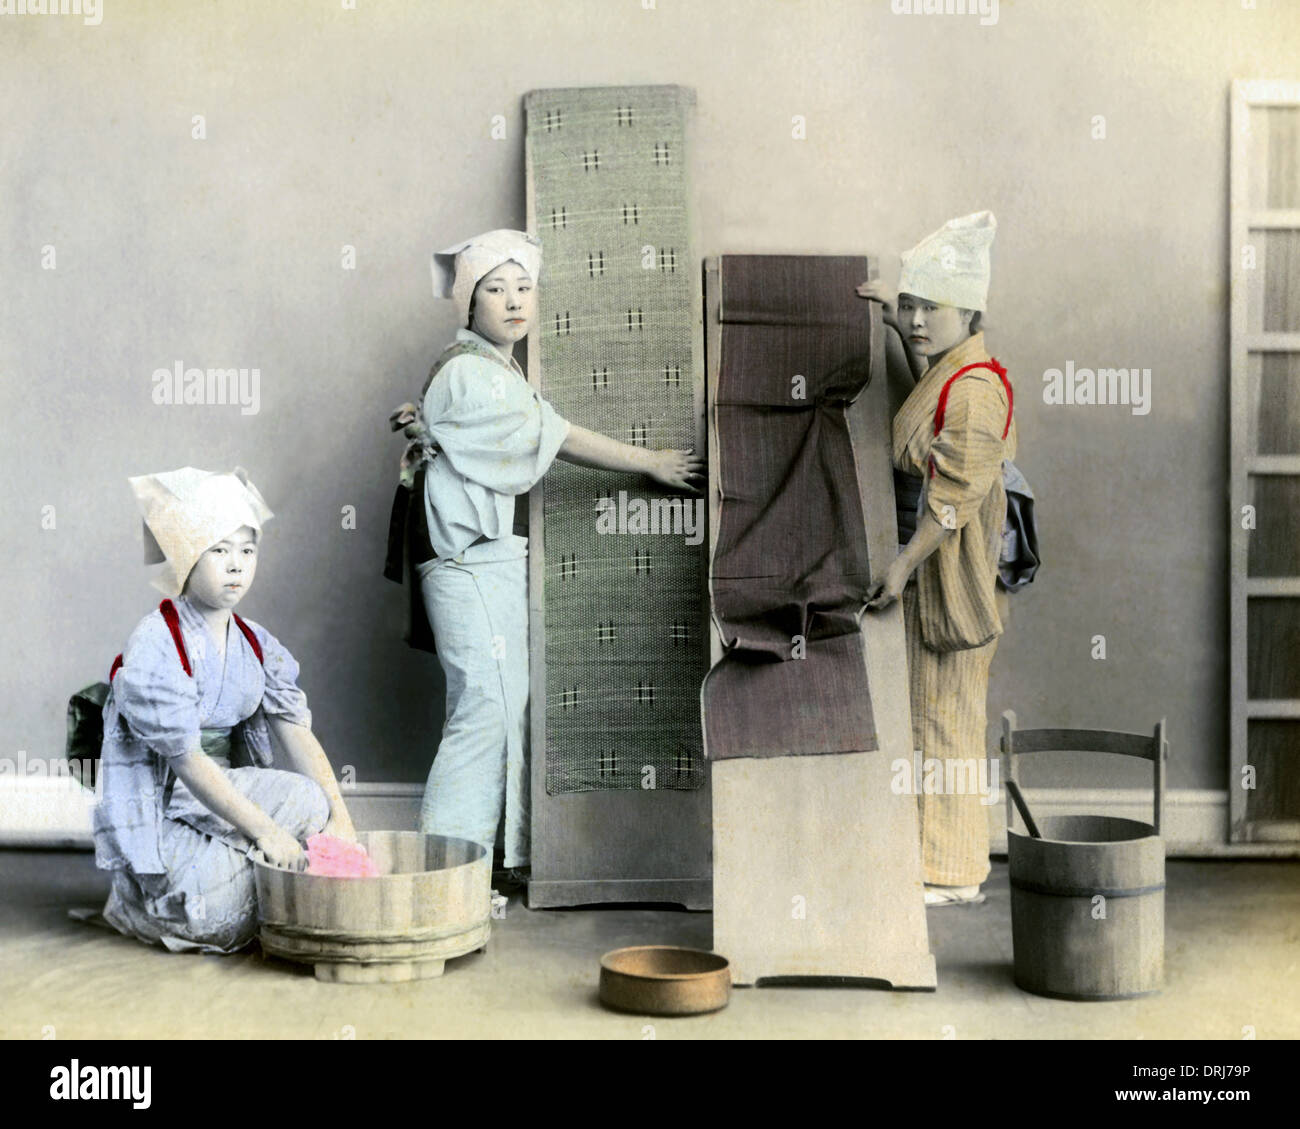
(181, 874)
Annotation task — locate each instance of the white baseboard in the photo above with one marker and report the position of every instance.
(53, 812)
(385, 807)
(44, 811)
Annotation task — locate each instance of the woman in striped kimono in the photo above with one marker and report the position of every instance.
(481, 437)
(188, 794)
(949, 441)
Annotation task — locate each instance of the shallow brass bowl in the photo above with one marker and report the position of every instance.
(664, 980)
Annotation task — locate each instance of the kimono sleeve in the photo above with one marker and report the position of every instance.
(555, 430)
(156, 699)
(281, 696)
(491, 426)
(968, 451)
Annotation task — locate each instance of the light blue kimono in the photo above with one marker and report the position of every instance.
(181, 874)
(496, 437)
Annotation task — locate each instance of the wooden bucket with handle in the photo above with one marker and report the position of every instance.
(1088, 891)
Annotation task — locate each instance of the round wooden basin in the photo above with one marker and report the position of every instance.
(431, 901)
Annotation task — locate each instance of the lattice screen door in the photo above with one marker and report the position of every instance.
(1264, 787)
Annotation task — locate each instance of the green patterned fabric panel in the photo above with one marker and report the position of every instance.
(626, 647)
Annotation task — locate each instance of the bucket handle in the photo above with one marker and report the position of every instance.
(1017, 742)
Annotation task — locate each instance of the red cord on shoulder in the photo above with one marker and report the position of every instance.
(252, 639)
(993, 366)
(173, 621)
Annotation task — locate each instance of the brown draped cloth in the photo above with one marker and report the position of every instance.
(790, 570)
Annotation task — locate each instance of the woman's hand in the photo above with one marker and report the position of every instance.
(876, 291)
(678, 470)
(403, 417)
(282, 849)
(884, 592)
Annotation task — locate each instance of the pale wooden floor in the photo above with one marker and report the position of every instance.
(1232, 956)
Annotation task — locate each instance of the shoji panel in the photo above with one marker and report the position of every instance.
(1264, 785)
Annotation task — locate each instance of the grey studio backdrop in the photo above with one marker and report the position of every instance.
(373, 128)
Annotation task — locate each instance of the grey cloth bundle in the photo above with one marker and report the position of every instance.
(1019, 559)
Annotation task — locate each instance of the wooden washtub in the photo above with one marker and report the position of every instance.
(430, 902)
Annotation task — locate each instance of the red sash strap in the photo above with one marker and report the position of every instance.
(168, 610)
(173, 622)
(252, 639)
(992, 365)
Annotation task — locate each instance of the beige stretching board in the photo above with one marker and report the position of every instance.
(816, 861)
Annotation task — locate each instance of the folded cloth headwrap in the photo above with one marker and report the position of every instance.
(951, 266)
(187, 511)
(457, 270)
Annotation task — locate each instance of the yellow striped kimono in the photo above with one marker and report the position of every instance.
(950, 607)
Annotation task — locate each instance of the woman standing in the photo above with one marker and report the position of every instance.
(188, 791)
(949, 441)
(482, 436)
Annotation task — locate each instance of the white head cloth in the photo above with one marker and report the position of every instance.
(951, 266)
(457, 270)
(187, 511)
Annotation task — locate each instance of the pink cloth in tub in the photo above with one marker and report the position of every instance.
(338, 858)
